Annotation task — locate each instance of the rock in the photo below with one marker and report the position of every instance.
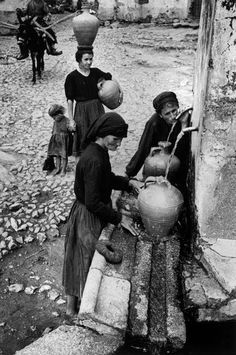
(44, 288)
(13, 223)
(5, 234)
(30, 290)
(19, 240)
(3, 245)
(53, 295)
(23, 227)
(55, 314)
(47, 330)
(11, 243)
(37, 229)
(61, 301)
(28, 239)
(16, 288)
(15, 206)
(52, 233)
(41, 237)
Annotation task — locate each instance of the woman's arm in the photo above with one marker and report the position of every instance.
(93, 177)
(143, 150)
(70, 107)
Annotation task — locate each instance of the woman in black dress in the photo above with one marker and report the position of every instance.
(92, 208)
(162, 126)
(81, 92)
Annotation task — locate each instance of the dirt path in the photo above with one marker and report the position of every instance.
(146, 60)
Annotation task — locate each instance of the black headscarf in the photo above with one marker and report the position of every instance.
(110, 123)
(163, 98)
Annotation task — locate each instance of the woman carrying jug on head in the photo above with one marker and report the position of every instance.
(162, 126)
(81, 91)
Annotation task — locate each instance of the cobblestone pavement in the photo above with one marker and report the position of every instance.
(145, 59)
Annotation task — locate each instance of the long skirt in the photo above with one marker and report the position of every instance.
(85, 114)
(83, 231)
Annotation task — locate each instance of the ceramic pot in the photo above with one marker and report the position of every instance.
(160, 204)
(110, 93)
(157, 161)
(85, 27)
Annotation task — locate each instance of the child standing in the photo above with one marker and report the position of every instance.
(59, 143)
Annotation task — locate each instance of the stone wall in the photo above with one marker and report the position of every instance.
(215, 111)
(144, 10)
(214, 146)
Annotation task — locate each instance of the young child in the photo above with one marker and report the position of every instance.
(59, 143)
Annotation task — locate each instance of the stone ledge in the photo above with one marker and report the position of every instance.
(222, 268)
(72, 340)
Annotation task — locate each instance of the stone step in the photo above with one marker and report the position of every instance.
(155, 314)
(204, 296)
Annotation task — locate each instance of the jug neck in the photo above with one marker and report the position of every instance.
(164, 145)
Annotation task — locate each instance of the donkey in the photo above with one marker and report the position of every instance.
(36, 44)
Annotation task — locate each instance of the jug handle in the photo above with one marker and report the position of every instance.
(156, 180)
(100, 83)
(154, 150)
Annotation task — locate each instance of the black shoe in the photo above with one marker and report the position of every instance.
(54, 52)
(22, 56)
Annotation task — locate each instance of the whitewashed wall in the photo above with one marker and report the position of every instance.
(131, 10)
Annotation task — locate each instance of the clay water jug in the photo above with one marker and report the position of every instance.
(160, 204)
(85, 27)
(157, 161)
(110, 93)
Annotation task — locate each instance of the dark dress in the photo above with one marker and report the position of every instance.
(59, 141)
(156, 130)
(90, 212)
(83, 90)
(40, 11)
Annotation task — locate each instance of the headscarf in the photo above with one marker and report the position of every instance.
(110, 123)
(163, 98)
(56, 109)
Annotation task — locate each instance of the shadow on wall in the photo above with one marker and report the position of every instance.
(195, 9)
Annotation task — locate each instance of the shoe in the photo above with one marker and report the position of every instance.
(54, 52)
(22, 56)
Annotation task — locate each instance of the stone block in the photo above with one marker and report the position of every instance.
(113, 302)
(223, 269)
(139, 300)
(201, 289)
(176, 330)
(73, 340)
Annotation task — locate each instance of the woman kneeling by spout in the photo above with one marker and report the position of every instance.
(92, 209)
(165, 124)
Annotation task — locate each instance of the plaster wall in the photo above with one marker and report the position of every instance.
(135, 10)
(214, 147)
(11, 5)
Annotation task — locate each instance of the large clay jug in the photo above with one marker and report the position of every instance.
(85, 27)
(157, 161)
(160, 204)
(110, 93)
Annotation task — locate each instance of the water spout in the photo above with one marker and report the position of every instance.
(190, 129)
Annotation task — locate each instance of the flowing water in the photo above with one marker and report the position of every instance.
(180, 135)
(172, 128)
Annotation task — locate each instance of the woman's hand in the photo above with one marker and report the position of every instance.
(184, 117)
(136, 185)
(72, 126)
(127, 223)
